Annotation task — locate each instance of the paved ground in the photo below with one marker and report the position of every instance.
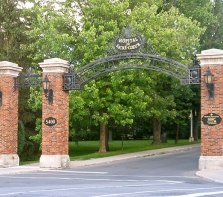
(214, 175)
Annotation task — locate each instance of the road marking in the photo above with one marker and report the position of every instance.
(79, 188)
(76, 172)
(199, 194)
(92, 179)
(144, 192)
(89, 172)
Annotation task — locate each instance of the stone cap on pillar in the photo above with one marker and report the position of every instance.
(211, 57)
(9, 69)
(55, 65)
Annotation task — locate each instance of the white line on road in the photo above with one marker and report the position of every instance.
(80, 188)
(199, 194)
(91, 179)
(144, 192)
(76, 172)
(111, 175)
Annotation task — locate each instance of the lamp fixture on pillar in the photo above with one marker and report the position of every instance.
(48, 92)
(208, 78)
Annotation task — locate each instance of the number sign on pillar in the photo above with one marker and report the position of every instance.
(50, 121)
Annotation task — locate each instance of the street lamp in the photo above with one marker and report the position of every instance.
(48, 92)
(208, 78)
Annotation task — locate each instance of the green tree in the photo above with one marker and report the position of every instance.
(12, 32)
(14, 47)
(21, 137)
(116, 97)
(53, 31)
(164, 32)
(216, 30)
(182, 98)
(210, 15)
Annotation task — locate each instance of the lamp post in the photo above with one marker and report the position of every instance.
(208, 78)
(191, 139)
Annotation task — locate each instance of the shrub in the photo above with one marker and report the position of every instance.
(21, 137)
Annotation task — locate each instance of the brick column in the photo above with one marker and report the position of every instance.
(212, 136)
(8, 115)
(55, 138)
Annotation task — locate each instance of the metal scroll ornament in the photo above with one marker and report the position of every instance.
(127, 41)
(28, 80)
(130, 50)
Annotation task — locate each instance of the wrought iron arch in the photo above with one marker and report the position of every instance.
(78, 78)
(130, 51)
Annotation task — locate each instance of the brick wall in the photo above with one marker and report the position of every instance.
(212, 136)
(9, 116)
(55, 138)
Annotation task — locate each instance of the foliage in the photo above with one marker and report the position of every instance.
(210, 15)
(216, 30)
(38, 137)
(12, 32)
(21, 137)
(14, 47)
(172, 35)
(35, 99)
(182, 98)
(53, 32)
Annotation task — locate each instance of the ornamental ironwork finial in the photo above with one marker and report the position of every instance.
(128, 31)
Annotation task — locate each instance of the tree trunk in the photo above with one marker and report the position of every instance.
(156, 131)
(196, 118)
(103, 135)
(107, 137)
(177, 133)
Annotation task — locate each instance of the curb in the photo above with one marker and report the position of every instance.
(203, 174)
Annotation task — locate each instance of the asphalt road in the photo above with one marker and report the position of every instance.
(164, 175)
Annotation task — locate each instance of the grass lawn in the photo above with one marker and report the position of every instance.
(89, 149)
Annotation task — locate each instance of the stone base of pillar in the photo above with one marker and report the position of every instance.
(211, 163)
(54, 161)
(9, 160)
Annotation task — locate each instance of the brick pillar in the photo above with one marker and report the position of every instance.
(8, 115)
(211, 134)
(55, 138)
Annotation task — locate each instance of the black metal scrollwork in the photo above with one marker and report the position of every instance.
(28, 80)
(195, 72)
(130, 50)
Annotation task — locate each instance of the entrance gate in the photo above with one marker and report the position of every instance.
(128, 50)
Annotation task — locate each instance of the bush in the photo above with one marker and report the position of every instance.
(21, 137)
(31, 150)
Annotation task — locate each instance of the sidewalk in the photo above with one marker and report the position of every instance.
(214, 175)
